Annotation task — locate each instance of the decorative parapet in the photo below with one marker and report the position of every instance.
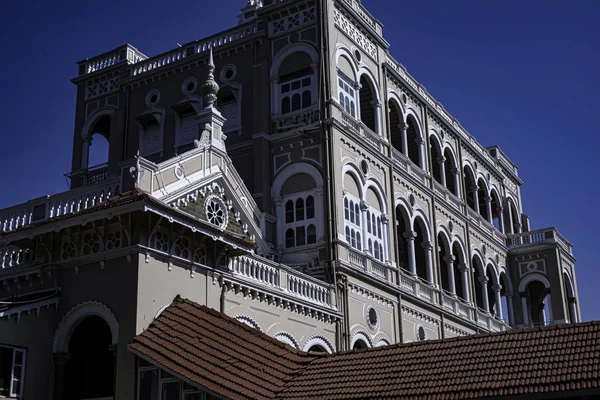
(439, 108)
(537, 237)
(490, 322)
(45, 208)
(365, 16)
(196, 47)
(126, 53)
(261, 272)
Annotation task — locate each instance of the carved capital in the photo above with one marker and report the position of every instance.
(463, 268)
(449, 258)
(484, 279)
(496, 288)
(364, 206)
(410, 235)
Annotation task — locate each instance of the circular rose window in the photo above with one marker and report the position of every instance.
(216, 212)
(372, 318)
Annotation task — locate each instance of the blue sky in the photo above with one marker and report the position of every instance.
(522, 74)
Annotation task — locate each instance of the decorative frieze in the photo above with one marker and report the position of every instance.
(355, 34)
(420, 316)
(102, 87)
(292, 21)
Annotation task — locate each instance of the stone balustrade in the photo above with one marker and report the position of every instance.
(125, 53)
(540, 236)
(280, 277)
(491, 322)
(48, 207)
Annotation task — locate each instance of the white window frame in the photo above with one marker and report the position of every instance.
(297, 223)
(353, 232)
(311, 87)
(21, 377)
(347, 89)
(375, 234)
(182, 391)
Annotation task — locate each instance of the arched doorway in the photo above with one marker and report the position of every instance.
(90, 370)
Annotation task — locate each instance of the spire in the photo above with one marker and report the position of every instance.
(210, 88)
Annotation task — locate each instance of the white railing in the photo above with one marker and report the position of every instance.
(286, 122)
(12, 256)
(255, 270)
(193, 48)
(73, 201)
(418, 287)
(490, 322)
(380, 270)
(258, 270)
(357, 259)
(123, 53)
(540, 236)
(403, 163)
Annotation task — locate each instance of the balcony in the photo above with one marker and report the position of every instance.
(368, 264)
(100, 187)
(491, 322)
(122, 54)
(88, 176)
(294, 120)
(538, 237)
(457, 306)
(404, 164)
(280, 278)
(419, 288)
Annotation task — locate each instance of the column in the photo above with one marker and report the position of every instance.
(456, 177)
(363, 216)
(60, 360)
(85, 152)
(572, 310)
(464, 275)
(525, 308)
(543, 316)
(441, 161)
(483, 280)
(428, 247)
(421, 143)
(449, 259)
(475, 189)
(488, 204)
(500, 212)
(497, 289)
(404, 127)
(385, 221)
(511, 311)
(410, 239)
(377, 109)
(518, 227)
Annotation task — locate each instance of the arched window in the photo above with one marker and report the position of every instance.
(538, 302)
(479, 301)
(229, 105)
(402, 228)
(360, 344)
(297, 83)
(496, 211)
(482, 194)
(461, 273)
(347, 87)
(470, 188)
(374, 225)
(368, 99)
(421, 249)
(443, 256)
(89, 372)
(437, 163)
(396, 125)
(352, 221)
(415, 141)
(298, 211)
(571, 300)
(451, 172)
(99, 142)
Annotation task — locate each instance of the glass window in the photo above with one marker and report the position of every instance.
(296, 94)
(148, 384)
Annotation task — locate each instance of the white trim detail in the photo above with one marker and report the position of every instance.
(69, 322)
(287, 338)
(318, 340)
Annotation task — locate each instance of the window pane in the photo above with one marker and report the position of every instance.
(171, 391)
(312, 234)
(306, 99)
(300, 209)
(285, 88)
(352, 110)
(289, 238)
(18, 357)
(358, 242)
(357, 214)
(149, 385)
(306, 82)
(16, 389)
(300, 236)
(289, 211)
(296, 102)
(348, 235)
(310, 207)
(285, 105)
(295, 85)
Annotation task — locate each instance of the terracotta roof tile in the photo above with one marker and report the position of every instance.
(236, 361)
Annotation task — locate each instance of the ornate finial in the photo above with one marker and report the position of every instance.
(210, 88)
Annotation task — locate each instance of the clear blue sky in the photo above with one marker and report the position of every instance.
(522, 74)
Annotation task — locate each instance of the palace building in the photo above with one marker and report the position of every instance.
(288, 173)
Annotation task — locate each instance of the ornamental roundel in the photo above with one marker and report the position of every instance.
(152, 98)
(216, 211)
(372, 318)
(189, 85)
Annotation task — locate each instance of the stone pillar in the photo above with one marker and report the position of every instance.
(410, 242)
(525, 308)
(428, 248)
(456, 177)
(488, 204)
(404, 135)
(363, 216)
(500, 212)
(421, 143)
(442, 162)
(385, 221)
(483, 281)
(497, 289)
(518, 227)
(450, 265)
(475, 189)
(572, 310)
(511, 311)
(85, 152)
(60, 361)
(543, 316)
(378, 125)
(464, 275)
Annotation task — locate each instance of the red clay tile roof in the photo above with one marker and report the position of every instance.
(235, 361)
